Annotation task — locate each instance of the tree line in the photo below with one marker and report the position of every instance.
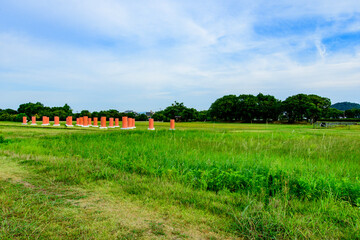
(266, 108)
(39, 110)
(260, 108)
(241, 108)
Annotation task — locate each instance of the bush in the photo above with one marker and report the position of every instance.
(141, 117)
(19, 117)
(7, 117)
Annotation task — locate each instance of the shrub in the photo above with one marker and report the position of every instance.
(7, 116)
(19, 117)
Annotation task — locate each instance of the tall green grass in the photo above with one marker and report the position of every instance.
(309, 165)
(295, 165)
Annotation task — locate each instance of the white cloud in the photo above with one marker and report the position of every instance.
(321, 48)
(212, 50)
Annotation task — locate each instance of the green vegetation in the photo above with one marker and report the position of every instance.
(181, 112)
(343, 106)
(244, 108)
(353, 113)
(212, 181)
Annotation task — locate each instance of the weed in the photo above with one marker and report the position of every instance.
(156, 228)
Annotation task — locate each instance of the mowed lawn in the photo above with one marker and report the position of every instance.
(202, 181)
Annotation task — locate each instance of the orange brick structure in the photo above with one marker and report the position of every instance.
(103, 123)
(33, 120)
(69, 121)
(124, 123)
(85, 121)
(56, 121)
(95, 124)
(45, 121)
(151, 124)
(111, 122)
(24, 122)
(172, 124)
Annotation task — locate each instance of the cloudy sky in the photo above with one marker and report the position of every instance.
(144, 55)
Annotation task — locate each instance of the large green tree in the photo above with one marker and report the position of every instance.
(301, 106)
(85, 113)
(31, 109)
(203, 116)
(225, 108)
(352, 113)
(159, 116)
(179, 111)
(268, 107)
(334, 113)
(319, 107)
(247, 107)
(38, 109)
(174, 110)
(295, 107)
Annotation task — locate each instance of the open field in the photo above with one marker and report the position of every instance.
(202, 181)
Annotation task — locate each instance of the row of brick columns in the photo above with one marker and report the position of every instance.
(127, 123)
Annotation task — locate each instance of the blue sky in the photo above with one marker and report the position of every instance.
(144, 55)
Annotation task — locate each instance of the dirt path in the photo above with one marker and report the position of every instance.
(121, 218)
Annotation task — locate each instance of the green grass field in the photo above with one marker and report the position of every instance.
(202, 181)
